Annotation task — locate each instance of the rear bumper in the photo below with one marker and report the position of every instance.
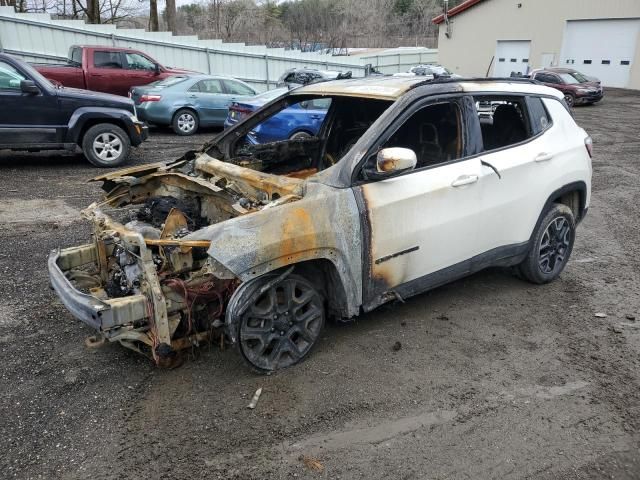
(154, 112)
(101, 315)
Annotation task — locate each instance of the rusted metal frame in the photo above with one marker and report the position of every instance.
(101, 253)
(170, 242)
(151, 285)
(253, 181)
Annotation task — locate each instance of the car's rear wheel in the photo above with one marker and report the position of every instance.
(280, 326)
(300, 136)
(185, 122)
(106, 145)
(551, 246)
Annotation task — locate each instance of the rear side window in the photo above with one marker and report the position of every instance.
(207, 86)
(540, 119)
(107, 59)
(547, 78)
(504, 121)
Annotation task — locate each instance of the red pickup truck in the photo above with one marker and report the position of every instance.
(106, 69)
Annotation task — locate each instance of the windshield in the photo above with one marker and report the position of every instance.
(169, 81)
(573, 77)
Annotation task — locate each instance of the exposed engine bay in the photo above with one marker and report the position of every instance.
(143, 260)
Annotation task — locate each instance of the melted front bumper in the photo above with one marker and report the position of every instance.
(104, 316)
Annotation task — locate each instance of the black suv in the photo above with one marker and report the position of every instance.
(38, 115)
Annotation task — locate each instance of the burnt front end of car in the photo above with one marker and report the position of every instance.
(142, 287)
(145, 281)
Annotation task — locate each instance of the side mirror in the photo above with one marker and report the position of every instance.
(390, 161)
(29, 86)
(156, 68)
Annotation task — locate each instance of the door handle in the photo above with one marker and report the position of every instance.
(543, 157)
(464, 180)
(193, 96)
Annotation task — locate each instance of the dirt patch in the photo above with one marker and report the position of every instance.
(37, 211)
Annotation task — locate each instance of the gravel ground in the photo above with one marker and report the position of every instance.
(496, 378)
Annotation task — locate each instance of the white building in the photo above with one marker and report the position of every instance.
(497, 37)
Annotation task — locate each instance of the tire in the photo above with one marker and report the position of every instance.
(551, 246)
(185, 122)
(106, 145)
(570, 99)
(300, 136)
(280, 327)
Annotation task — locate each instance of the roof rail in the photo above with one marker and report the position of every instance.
(445, 79)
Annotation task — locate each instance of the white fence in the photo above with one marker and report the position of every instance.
(35, 37)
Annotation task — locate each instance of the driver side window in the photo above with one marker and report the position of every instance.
(434, 133)
(10, 78)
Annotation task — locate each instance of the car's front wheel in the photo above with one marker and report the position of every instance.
(569, 99)
(185, 122)
(551, 246)
(106, 145)
(280, 323)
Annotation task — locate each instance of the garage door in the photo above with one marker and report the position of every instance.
(511, 56)
(601, 48)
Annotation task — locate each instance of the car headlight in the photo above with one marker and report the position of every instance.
(583, 90)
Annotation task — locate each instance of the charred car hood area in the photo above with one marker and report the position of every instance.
(173, 242)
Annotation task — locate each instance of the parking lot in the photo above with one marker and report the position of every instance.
(493, 377)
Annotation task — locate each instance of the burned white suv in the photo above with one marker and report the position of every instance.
(404, 187)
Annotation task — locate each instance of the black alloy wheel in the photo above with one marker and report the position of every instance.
(280, 327)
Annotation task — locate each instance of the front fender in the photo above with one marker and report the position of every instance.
(80, 117)
(324, 224)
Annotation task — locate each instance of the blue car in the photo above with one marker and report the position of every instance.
(187, 102)
(301, 120)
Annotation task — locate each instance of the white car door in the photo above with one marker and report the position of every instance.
(511, 204)
(424, 222)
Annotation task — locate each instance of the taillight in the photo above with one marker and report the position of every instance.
(588, 142)
(241, 109)
(150, 98)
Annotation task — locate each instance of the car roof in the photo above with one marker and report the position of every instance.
(392, 88)
(204, 76)
(556, 70)
(386, 88)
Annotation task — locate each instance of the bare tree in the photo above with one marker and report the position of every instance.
(170, 13)
(153, 16)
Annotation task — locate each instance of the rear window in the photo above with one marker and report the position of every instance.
(169, 81)
(237, 88)
(75, 56)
